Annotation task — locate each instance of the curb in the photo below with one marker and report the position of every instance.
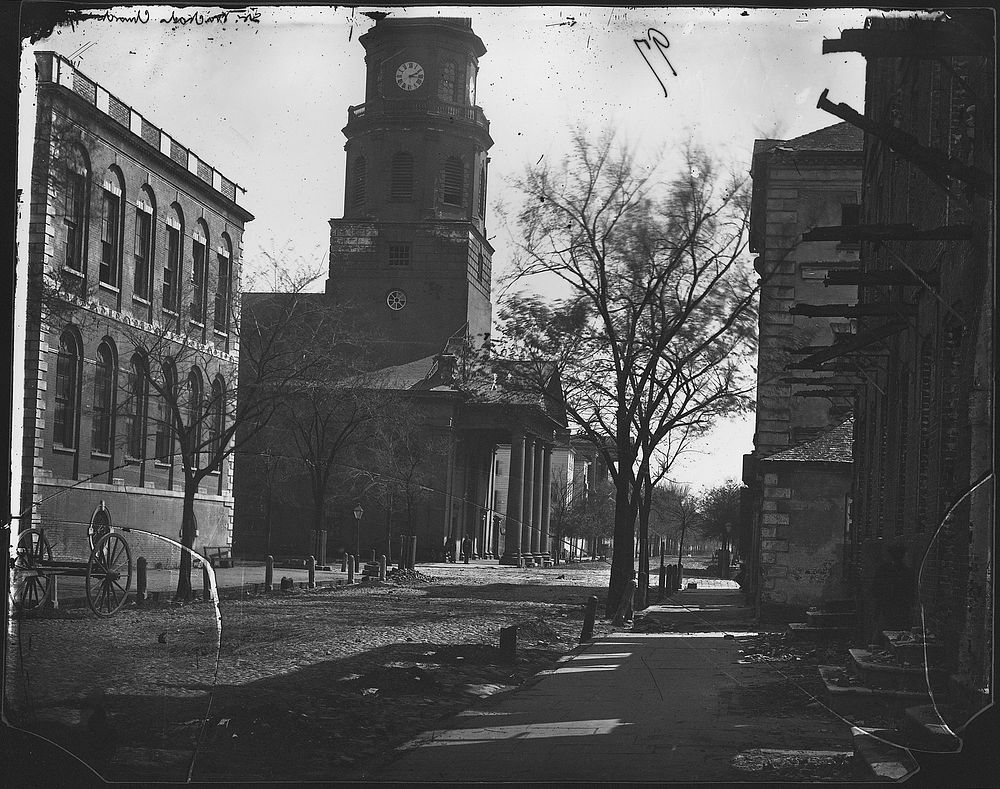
(883, 760)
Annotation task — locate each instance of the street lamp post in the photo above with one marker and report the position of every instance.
(358, 512)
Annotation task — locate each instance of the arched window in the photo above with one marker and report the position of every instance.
(145, 221)
(482, 191)
(111, 226)
(359, 188)
(199, 271)
(105, 375)
(454, 174)
(135, 415)
(401, 179)
(192, 414)
(172, 265)
(446, 82)
(67, 394)
(217, 417)
(76, 200)
(223, 284)
(164, 418)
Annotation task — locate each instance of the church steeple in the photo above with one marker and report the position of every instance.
(411, 248)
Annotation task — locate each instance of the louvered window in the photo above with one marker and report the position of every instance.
(453, 175)
(359, 191)
(401, 181)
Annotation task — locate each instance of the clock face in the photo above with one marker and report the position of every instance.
(410, 75)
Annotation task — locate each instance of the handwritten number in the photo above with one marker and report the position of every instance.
(654, 36)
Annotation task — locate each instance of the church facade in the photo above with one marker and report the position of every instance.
(411, 260)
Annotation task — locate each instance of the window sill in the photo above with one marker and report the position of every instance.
(100, 455)
(199, 324)
(162, 463)
(169, 312)
(221, 333)
(140, 300)
(59, 449)
(72, 271)
(108, 287)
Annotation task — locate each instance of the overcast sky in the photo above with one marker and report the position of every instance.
(265, 101)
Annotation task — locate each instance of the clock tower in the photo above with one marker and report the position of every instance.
(411, 251)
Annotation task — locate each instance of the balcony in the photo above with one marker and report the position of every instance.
(442, 109)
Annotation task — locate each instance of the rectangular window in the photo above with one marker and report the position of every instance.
(222, 295)
(399, 255)
(143, 252)
(850, 214)
(164, 436)
(109, 239)
(74, 219)
(171, 269)
(482, 267)
(101, 431)
(198, 281)
(65, 410)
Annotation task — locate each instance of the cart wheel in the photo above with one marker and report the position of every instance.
(109, 574)
(32, 590)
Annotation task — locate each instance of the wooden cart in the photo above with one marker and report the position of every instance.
(107, 571)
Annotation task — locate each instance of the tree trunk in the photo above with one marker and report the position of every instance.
(680, 547)
(642, 586)
(183, 592)
(622, 565)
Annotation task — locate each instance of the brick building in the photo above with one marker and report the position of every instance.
(923, 442)
(132, 236)
(411, 260)
(799, 472)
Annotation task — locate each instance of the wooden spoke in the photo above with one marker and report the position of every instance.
(32, 587)
(110, 561)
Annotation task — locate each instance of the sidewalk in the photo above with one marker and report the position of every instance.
(633, 707)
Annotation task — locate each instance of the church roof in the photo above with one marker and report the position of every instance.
(833, 446)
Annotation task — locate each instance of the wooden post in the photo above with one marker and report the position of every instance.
(350, 569)
(140, 580)
(53, 601)
(508, 643)
(269, 573)
(312, 572)
(382, 562)
(206, 584)
(357, 564)
(343, 563)
(589, 614)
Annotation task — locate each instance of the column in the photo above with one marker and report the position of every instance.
(546, 502)
(515, 488)
(528, 501)
(536, 507)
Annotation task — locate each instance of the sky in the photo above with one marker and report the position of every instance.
(263, 97)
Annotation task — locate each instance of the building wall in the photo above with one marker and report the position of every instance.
(62, 487)
(920, 442)
(801, 192)
(444, 285)
(804, 512)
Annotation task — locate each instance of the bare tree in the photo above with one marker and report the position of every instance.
(399, 462)
(678, 512)
(199, 406)
(659, 323)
